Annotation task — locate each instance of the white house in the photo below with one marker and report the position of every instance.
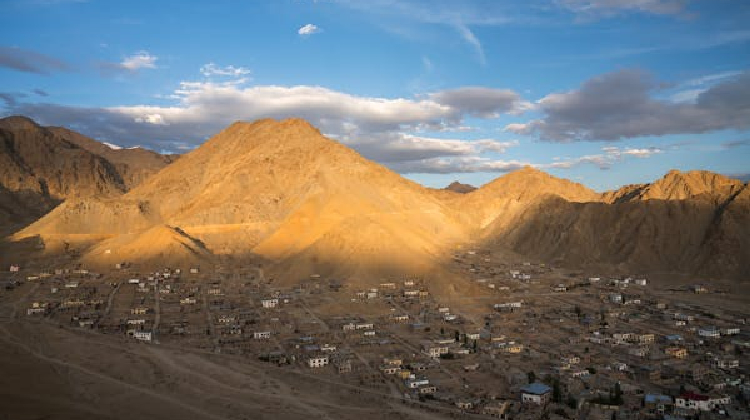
(709, 332)
(416, 383)
(317, 361)
(434, 350)
(536, 393)
(727, 363)
(142, 335)
(615, 297)
(508, 306)
(262, 335)
(692, 401)
(269, 303)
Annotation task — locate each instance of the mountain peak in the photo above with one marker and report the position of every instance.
(18, 122)
(676, 185)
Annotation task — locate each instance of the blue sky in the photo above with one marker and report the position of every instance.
(604, 92)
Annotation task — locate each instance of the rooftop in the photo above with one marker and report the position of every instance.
(536, 388)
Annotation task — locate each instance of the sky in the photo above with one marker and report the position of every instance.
(602, 92)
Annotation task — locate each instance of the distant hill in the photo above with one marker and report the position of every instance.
(281, 191)
(460, 188)
(133, 164)
(694, 222)
(41, 167)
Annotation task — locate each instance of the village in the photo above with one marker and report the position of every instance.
(531, 342)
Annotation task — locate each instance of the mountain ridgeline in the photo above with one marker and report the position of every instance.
(282, 191)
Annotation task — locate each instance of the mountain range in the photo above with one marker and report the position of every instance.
(283, 192)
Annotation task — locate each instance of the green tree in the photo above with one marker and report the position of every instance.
(532, 377)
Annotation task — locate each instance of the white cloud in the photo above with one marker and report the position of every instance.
(400, 147)
(383, 129)
(451, 165)
(139, 60)
(155, 119)
(609, 156)
(308, 29)
(112, 146)
(469, 37)
(212, 69)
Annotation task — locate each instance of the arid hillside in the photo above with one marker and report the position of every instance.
(134, 165)
(281, 191)
(42, 166)
(693, 222)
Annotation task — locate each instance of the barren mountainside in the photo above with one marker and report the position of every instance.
(134, 164)
(282, 191)
(42, 166)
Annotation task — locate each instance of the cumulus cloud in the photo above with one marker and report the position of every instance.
(383, 129)
(203, 108)
(595, 8)
(15, 58)
(308, 29)
(212, 69)
(397, 148)
(132, 64)
(452, 165)
(621, 105)
(482, 102)
(609, 156)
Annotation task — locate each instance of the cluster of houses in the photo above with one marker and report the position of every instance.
(595, 347)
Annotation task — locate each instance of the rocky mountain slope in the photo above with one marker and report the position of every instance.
(41, 167)
(133, 164)
(694, 222)
(282, 191)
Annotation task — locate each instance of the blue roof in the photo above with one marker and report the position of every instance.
(536, 388)
(653, 398)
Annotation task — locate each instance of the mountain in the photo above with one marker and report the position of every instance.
(694, 222)
(43, 166)
(133, 164)
(279, 191)
(493, 205)
(460, 188)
